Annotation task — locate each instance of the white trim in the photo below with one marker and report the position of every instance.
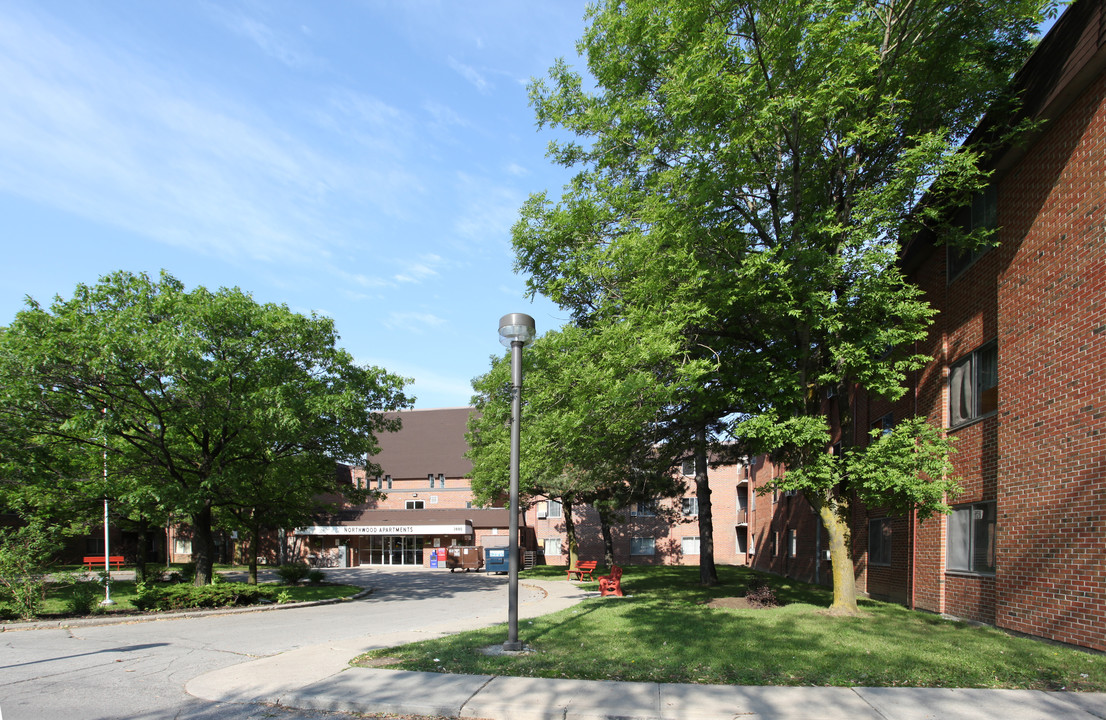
(385, 530)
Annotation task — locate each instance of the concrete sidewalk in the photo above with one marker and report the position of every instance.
(318, 678)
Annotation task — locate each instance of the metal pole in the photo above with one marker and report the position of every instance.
(107, 540)
(516, 416)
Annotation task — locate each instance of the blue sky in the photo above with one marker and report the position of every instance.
(360, 160)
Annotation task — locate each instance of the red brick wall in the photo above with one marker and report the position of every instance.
(1042, 456)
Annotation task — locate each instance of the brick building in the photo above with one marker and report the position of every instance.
(1018, 375)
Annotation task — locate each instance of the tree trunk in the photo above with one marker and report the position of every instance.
(570, 534)
(203, 545)
(708, 573)
(608, 539)
(140, 556)
(840, 545)
(253, 549)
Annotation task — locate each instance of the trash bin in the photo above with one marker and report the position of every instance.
(464, 557)
(497, 559)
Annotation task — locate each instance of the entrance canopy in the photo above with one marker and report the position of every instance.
(463, 529)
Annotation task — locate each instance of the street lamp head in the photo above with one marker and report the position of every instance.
(516, 327)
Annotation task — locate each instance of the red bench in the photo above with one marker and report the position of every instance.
(611, 584)
(582, 569)
(93, 561)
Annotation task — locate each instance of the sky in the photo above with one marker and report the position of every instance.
(362, 161)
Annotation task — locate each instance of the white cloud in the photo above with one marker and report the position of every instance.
(415, 322)
(273, 43)
(472, 75)
(103, 134)
(419, 270)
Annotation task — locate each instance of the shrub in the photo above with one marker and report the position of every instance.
(187, 572)
(154, 572)
(83, 597)
(292, 573)
(182, 597)
(316, 577)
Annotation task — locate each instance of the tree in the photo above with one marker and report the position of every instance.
(192, 394)
(588, 411)
(749, 170)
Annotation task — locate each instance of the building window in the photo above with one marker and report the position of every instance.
(430, 478)
(879, 541)
(971, 538)
(983, 215)
(776, 543)
(690, 506)
(95, 546)
(555, 509)
(644, 509)
(552, 546)
(388, 481)
(380, 483)
(689, 545)
(441, 480)
(643, 546)
(973, 386)
(792, 543)
(687, 468)
(415, 505)
(884, 425)
(433, 499)
(180, 546)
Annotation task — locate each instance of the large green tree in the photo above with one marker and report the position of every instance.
(200, 399)
(748, 170)
(588, 427)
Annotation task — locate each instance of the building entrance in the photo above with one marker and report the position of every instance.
(391, 550)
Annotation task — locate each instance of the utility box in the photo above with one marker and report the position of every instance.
(464, 557)
(497, 559)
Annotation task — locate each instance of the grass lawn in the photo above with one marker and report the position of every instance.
(667, 632)
(122, 592)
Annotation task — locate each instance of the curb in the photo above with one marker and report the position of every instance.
(171, 615)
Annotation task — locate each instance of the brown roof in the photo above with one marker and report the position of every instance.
(429, 442)
(478, 517)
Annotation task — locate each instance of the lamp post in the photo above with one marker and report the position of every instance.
(107, 535)
(515, 331)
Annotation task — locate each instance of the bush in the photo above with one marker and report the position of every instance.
(83, 597)
(187, 572)
(182, 597)
(316, 577)
(292, 573)
(154, 572)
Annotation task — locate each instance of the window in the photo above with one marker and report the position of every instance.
(181, 546)
(689, 545)
(415, 505)
(879, 541)
(688, 468)
(971, 538)
(430, 477)
(380, 483)
(642, 546)
(555, 509)
(644, 509)
(552, 546)
(388, 481)
(691, 506)
(776, 543)
(433, 499)
(973, 386)
(95, 546)
(441, 480)
(983, 215)
(884, 425)
(792, 543)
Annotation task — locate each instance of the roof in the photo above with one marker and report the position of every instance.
(429, 442)
(477, 517)
(1066, 61)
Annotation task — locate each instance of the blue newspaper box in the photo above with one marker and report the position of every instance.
(497, 559)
